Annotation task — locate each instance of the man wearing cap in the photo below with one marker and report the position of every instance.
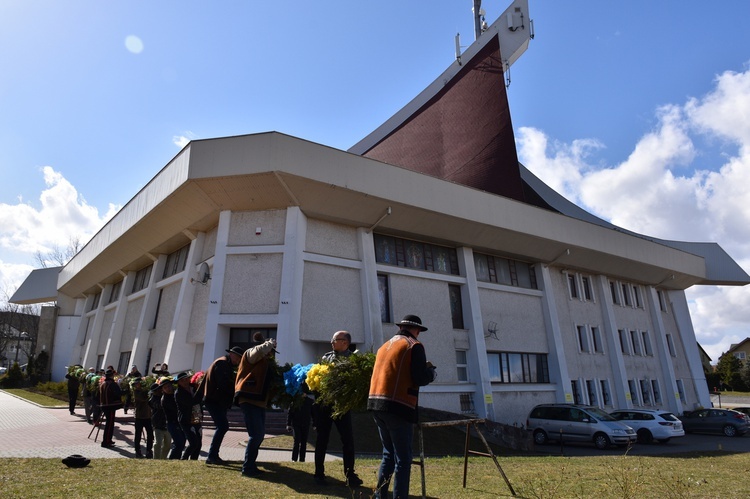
(142, 413)
(400, 369)
(162, 438)
(323, 421)
(218, 395)
(110, 399)
(251, 391)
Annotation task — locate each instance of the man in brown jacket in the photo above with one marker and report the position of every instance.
(218, 396)
(251, 391)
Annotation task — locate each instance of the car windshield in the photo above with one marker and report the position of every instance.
(599, 414)
(668, 416)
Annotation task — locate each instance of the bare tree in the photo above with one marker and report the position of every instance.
(58, 256)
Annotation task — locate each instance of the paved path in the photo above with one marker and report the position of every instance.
(27, 430)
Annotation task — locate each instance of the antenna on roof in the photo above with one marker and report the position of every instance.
(479, 24)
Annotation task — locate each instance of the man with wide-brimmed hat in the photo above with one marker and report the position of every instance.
(110, 399)
(218, 395)
(401, 367)
(162, 438)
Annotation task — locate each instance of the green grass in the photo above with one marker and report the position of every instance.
(37, 398)
(695, 476)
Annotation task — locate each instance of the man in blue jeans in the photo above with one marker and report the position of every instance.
(400, 369)
(252, 393)
(218, 396)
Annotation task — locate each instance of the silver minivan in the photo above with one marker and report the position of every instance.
(577, 423)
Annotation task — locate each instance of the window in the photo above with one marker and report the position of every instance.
(384, 296)
(583, 339)
(740, 355)
(613, 291)
(142, 278)
(637, 296)
(681, 391)
(624, 341)
(596, 336)
(633, 392)
(646, 391)
(606, 397)
(176, 262)
(511, 367)
(670, 346)
(586, 288)
(636, 343)
(504, 271)
(114, 294)
(415, 255)
(572, 286)
(591, 391)
(656, 391)
(122, 365)
(158, 308)
(457, 309)
(576, 387)
(625, 295)
(100, 361)
(95, 303)
(462, 368)
(646, 343)
(467, 403)
(662, 300)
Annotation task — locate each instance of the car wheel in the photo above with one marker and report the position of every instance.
(601, 441)
(540, 437)
(730, 430)
(663, 440)
(645, 436)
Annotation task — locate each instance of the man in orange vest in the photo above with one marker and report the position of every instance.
(401, 367)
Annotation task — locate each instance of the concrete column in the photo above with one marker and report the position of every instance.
(114, 348)
(216, 339)
(558, 367)
(621, 395)
(478, 365)
(145, 322)
(370, 294)
(681, 313)
(670, 394)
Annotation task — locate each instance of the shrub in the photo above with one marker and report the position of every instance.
(13, 378)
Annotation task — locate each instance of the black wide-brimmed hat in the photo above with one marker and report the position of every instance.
(183, 374)
(237, 350)
(76, 461)
(412, 320)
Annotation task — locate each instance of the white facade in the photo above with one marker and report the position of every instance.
(288, 230)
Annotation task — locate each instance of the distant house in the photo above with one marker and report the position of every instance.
(741, 350)
(705, 360)
(17, 337)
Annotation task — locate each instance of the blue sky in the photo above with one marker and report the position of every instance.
(638, 111)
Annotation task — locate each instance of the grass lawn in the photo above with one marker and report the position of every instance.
(37, 398)
(716, 475)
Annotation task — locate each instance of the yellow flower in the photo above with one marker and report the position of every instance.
(315, 375)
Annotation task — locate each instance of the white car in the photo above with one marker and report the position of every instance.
(650, 424)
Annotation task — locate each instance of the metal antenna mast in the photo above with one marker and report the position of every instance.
(477, 18)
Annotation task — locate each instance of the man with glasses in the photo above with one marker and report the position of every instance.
(323, 421)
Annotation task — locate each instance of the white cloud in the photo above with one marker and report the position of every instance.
(61, 215)
(658, 191)
(182, 140)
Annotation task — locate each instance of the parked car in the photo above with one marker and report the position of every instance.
(577, 423)
(651, 425)
(3, 370)
(743, 410)
(730, 423)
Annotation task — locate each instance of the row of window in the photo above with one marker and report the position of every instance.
(643, 392)
(635, 343)
(514, 367)
(176, 262)
(621, 293)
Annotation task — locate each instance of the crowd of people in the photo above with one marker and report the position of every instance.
(170, 412)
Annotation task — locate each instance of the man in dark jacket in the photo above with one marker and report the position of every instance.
(73, 384)
(323, 421)
(218, 396)
(142, 414)
(186, 397)
(110, 399)
(162, 439)
(169, 405)
(400, 369)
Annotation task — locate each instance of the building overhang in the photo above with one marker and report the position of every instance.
(274, 171)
